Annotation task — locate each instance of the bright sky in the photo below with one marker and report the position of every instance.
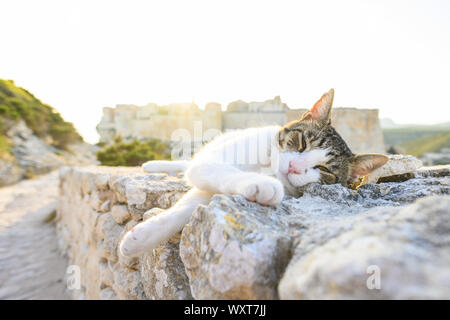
(79, 56)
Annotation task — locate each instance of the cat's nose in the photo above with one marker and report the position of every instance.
(293, 168)
(298, 165)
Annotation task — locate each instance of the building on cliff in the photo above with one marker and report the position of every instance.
(359, 127)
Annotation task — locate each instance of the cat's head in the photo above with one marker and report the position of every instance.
(313, 132)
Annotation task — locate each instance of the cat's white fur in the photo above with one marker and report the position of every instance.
(165, 166)
(245, 162)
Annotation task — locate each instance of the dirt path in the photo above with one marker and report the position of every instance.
(30, 265)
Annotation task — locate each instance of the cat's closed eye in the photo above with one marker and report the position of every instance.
(301, 142)
(322, 168)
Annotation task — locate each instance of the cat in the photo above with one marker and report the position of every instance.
(261, 164)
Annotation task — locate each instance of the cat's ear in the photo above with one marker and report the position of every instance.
(363, 164)
(321, 111)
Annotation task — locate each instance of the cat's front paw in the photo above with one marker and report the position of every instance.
(265, 190)
(132, 242)
(144, 237)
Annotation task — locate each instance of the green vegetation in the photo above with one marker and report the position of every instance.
(17, 103)
(133, 153)
(396, 136)
(4, 148)
(429, 143)
(419, 139)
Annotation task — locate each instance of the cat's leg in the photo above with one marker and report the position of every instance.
(227, 179)
(154, 231)
(165, 166)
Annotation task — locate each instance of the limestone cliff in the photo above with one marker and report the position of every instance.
(30, 155)
(34, 138)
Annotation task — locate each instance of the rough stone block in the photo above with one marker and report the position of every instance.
(163, 273)
(120, 213)
(408, 248)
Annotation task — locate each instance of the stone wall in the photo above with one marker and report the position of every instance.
(322, 245)
(359, 127)
(97, 206)
(159, 122)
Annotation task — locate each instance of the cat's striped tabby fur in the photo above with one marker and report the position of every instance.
(261, 164)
